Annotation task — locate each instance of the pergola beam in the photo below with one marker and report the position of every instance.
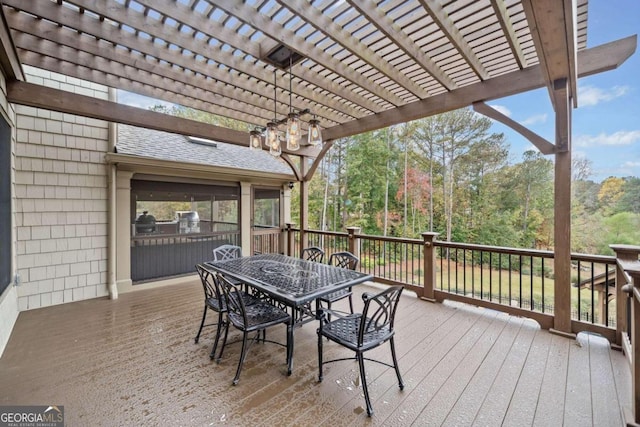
(590, 61)
(66, 102)
(555, 41)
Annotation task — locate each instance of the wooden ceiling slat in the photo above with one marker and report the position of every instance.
(314, 17)
(449, 29)
(394, 32)
(83, 73)
(24, 25)
(121, 37)
(368, 63)
(289, 39)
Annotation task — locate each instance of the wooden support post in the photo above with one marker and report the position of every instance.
(429, 266)
(562, 211)
(304, 203)
(354, 242)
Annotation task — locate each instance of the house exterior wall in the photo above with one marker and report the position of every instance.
(9, 297)
(61, 200)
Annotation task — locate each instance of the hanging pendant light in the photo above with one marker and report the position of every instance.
(255, 142)
(293, 132)
(274, 138)
(314, 134)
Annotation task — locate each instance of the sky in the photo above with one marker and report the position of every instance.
(606, 124)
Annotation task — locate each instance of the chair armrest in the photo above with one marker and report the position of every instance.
(322, 314)
(367, 296)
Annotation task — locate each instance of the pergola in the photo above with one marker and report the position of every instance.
(357, 65)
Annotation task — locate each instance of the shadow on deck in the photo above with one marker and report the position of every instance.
(133, 361)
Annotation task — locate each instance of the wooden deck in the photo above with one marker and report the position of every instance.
(133, 361)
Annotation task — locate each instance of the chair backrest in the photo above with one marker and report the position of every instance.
(313, 253)
(344, 259)
(225, 252)
(233, 298)
(379, 313)
(209, 283)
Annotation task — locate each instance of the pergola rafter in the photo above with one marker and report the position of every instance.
(360, 59)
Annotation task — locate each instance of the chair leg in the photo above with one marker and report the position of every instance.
(363, 378)
(290, 347)
(243, 354)
(319, 357)
(204, 316)
(218, 331)
(224, 341)
(395, 364)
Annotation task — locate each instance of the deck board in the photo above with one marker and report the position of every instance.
(577, 411)
(551, 401)
(469, 401)
(496, 401)
(133, 361)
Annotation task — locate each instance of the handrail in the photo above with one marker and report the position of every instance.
(514, 280)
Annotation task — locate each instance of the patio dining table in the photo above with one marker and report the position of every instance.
(293, 282)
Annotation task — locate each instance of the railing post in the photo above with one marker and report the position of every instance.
(354, 242)
(635, 339)
(289, 239)
(623, 253)
(429, 266)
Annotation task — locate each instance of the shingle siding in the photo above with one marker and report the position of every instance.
(61, 200)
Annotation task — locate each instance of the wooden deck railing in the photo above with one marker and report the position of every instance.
(628, 277)
(516, 281)
(605, 290)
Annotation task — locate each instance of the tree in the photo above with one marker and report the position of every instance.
(610, 192)
(629, 201)
(456, 133)
(424, 137)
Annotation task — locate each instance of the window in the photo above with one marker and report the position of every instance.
(6, 242)
(175, 208)
(266, 208)
(175, 226)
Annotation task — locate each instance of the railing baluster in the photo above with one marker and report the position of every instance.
(531, 282)
(520, 284)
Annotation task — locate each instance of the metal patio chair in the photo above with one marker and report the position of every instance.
(214, 300)
(251, 318)
(363, 332)
(313, 253)
(225, 252)
(344, 260)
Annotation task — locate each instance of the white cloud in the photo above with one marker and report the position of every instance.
(631, 164)
(501, 108)
(538, 118)
(591, 95)
(618, 138)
